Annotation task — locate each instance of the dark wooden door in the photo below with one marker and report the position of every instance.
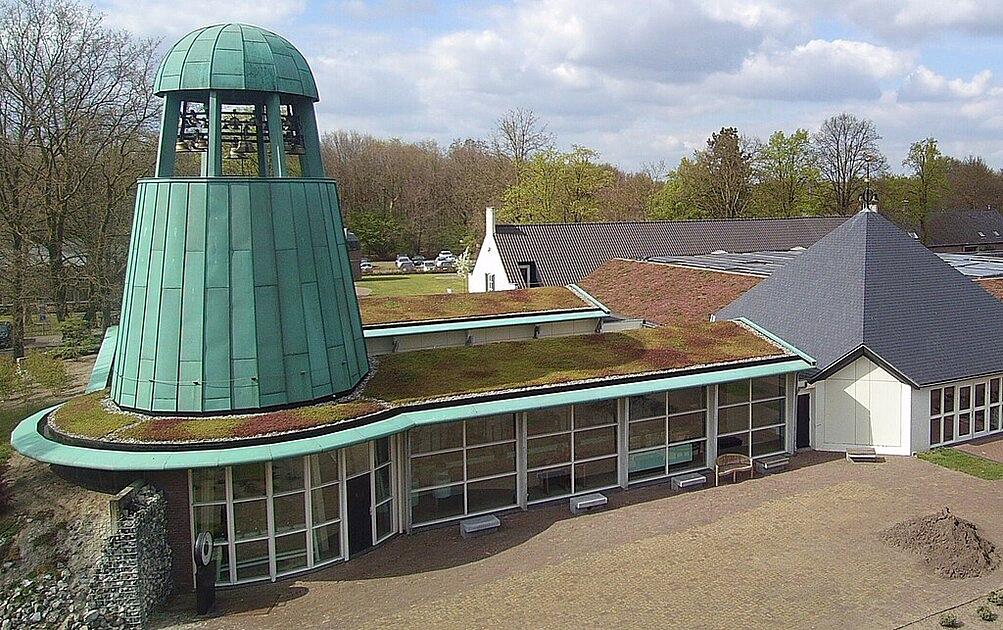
(360, 518)
(802, 435)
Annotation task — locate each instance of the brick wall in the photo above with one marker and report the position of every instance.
(174, 485)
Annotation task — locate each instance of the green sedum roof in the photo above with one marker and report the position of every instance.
(235, 57)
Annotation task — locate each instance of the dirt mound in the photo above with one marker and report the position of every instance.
(951, 546)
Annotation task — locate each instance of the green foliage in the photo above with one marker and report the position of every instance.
(6, 494)
(78, 339)
(964, 462)
(948, 620)
(675, 200)
(927, 184)
(45, 371)
(985, 613)
(715, 183)
(380, 234)
(789, 182)
(558, 187)
(12, 383)
(464, 263)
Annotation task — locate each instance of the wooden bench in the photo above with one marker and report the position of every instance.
(861, 454)
(732, 463)
(689, 480)
(587, 502)
(772, 464)
(479, 525)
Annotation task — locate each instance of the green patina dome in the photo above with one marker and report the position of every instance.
(235, 57)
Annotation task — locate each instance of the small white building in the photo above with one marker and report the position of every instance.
(489, 271)
(907, 349)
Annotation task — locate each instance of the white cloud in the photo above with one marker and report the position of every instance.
(924, 84)
(818, 70)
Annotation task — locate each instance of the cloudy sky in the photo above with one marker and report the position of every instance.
(640, 81)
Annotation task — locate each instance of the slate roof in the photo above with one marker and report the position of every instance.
(565, 253)
(956, 228)
(869, 288)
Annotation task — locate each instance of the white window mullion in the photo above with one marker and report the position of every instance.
(271, 520)
(231, 533)
(308, 498)
(343, 500)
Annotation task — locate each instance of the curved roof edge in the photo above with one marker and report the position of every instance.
(27, 440)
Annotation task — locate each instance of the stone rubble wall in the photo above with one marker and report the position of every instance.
(130, 579)
(133, 576)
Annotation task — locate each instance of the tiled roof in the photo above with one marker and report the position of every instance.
(664, 294)
(962, 227)
(565, 253)
(868, 287)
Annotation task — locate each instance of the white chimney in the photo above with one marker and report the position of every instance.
(489, 221)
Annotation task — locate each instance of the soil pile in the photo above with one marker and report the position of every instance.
(951, 546)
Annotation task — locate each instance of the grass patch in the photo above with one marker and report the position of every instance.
(964, 462)
(429, 374)
(413, 284)
(86, 416)
(10, 417)
(89, 417)
(385, 310)
(444, 372)
(671, 295)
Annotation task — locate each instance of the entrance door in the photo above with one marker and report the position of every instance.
(360, 515)
(802, 435)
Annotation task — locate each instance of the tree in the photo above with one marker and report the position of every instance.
(520, 135)
(72, 92)
(728, 170)
(972, 185)
(927, 183)
(559, 187)
(675, 199)
(845, 148)
(787, 178)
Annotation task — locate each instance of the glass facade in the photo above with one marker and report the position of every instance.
(666, 433)
(961, 412)
(570, 450)
(751, 417)
(462, 468)
(276, 518)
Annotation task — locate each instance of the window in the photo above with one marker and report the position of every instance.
(667, 433)
(527, 271)
(462, 468)
(489, 282)
(276, 518)
(751, 417)
(570, 450)
(959, 412)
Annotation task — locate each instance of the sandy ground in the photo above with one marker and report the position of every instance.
(63, 525)
(800, 549)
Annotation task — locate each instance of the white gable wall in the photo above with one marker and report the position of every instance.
(863, 405)
(489, 262)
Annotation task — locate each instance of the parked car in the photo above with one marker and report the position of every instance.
(405, 264)
(428, 265)
(447, 256)
(418, 260)
(366, 266)
(443, 264)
